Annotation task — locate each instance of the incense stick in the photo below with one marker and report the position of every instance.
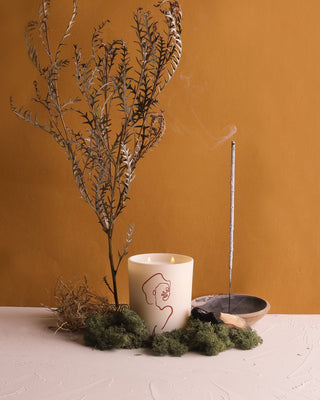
(233, 154)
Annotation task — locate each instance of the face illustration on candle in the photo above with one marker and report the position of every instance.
(156, 290)
(161, 293)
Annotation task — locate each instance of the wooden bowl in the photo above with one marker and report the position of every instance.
(250, 308)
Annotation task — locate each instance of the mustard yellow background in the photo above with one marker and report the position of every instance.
(254, 64)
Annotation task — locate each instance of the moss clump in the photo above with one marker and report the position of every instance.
(205, 338)
(169, 343)
(244, 339)
(117, 329)
(126, 330)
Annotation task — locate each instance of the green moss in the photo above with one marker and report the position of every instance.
(169, 343)
(126, 330)
(244, 339)
(120, 330)
(204, 338)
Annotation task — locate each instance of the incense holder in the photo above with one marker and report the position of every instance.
(250, 308)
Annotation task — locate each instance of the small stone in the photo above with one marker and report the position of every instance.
(205, 316)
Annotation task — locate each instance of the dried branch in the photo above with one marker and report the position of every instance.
(104, 159)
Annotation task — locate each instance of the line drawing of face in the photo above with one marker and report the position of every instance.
(161, 294)
(157, 292)
(156, 289)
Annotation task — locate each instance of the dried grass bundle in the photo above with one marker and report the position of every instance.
(75, 301)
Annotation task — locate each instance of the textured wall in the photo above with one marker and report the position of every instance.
(253, 64)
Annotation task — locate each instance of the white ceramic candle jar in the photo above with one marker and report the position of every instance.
(160, 287)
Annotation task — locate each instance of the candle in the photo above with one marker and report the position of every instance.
(160, 287)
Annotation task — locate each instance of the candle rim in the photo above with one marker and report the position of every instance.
(143, 258)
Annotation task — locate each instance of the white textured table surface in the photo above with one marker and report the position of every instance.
(36, 363)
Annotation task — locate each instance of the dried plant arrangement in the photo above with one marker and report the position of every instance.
(113, 90)
(75, 302)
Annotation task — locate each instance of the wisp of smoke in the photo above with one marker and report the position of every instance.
(228, 131)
